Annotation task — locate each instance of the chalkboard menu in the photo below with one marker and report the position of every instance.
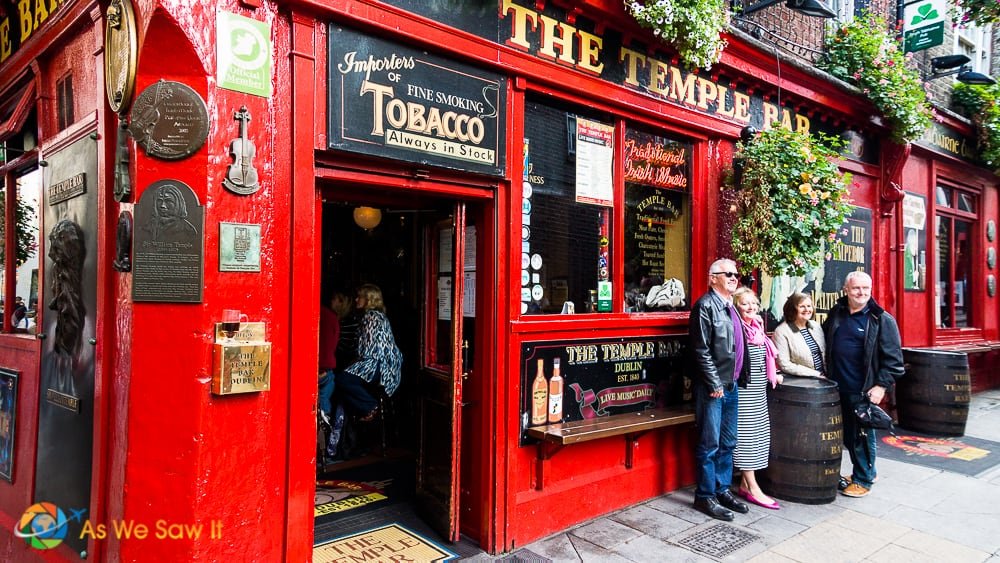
(605, 377)
(657, 219)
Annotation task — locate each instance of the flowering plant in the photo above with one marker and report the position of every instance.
(863, 53)
(982, 105)
(694, 27)
(791, 198)
(980, 12)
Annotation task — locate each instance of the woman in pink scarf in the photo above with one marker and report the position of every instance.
(754, 425)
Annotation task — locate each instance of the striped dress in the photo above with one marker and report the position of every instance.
(754, 426)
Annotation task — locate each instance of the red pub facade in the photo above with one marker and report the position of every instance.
(530, 183)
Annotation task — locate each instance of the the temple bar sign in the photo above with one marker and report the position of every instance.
(397, 102)
(20, 20)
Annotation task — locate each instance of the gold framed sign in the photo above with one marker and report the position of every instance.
(120, 53)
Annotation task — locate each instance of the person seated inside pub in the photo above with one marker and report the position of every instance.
(378, 361)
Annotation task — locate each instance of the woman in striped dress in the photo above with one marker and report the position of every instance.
(754, 425)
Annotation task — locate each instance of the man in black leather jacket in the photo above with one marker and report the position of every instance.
(865, 358)
(718, 347)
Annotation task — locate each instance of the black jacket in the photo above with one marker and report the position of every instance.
(712, 344)
(883, 351)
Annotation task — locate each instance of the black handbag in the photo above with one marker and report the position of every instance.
(870, 415)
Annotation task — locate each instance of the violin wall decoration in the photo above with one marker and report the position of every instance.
(241, 177)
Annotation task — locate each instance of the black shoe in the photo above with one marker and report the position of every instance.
(727, 499)
(711, 507)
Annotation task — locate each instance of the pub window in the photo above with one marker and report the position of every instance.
(566, 208)
(956, 222)
(657, 222)
(64, 101)
(25, 251)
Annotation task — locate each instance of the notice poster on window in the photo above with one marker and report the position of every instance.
(915, 247)
(594, 158)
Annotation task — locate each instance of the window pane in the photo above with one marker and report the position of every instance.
(28, 197)
(966, 202)
(942, 196)
(963, 274)
(657, 222)
(562, 252)
(944, 287)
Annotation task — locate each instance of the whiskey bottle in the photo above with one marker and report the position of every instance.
(555, 394)
(539, 395)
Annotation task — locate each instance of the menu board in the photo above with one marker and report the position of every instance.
(605, 377)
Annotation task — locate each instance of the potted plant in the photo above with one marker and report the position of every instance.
(862, 52)
(791, 199)
(982, 105)
(693, 27)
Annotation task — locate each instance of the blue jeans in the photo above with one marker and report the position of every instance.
(859, 442)
(356, 399)
(326, 392)
(716, 418)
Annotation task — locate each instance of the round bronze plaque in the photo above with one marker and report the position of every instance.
(991, 230)
(991, 285)
(991, 257)
(169, 120)
(119, 54)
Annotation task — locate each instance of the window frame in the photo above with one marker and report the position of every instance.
(952, 213)
(622, 120)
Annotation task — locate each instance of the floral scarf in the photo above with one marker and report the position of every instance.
(754, 330)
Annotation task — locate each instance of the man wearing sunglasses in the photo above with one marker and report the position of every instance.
(718, 347)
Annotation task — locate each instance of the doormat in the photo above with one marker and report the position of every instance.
(965, 454)
(336, 495)
(363, 488)
(388, 543)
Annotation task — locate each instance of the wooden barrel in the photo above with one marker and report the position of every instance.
(933, 396)
(806, 441)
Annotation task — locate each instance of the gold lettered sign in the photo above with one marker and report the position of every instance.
(119, 54)
(242, 364)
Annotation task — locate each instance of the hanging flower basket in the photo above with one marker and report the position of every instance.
(862, 52)
(791, 199)
(979, 12)
(693, 27)
(982, 105)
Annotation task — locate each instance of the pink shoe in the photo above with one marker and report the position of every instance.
(773, 505)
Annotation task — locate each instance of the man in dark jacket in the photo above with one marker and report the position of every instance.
(865, 358)
(718, 347)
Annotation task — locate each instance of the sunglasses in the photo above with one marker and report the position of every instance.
(730, 275)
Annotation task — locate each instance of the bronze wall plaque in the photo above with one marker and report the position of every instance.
(120, 53)
(168, 252)
(169, 120)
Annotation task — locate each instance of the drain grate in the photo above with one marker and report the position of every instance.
(719, 540)
(524, 556)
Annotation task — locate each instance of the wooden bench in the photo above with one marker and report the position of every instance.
(551, 438)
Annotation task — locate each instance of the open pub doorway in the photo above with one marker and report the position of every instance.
(402, 468)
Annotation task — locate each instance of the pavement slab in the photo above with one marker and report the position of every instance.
(606, 533)
(652, 522)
